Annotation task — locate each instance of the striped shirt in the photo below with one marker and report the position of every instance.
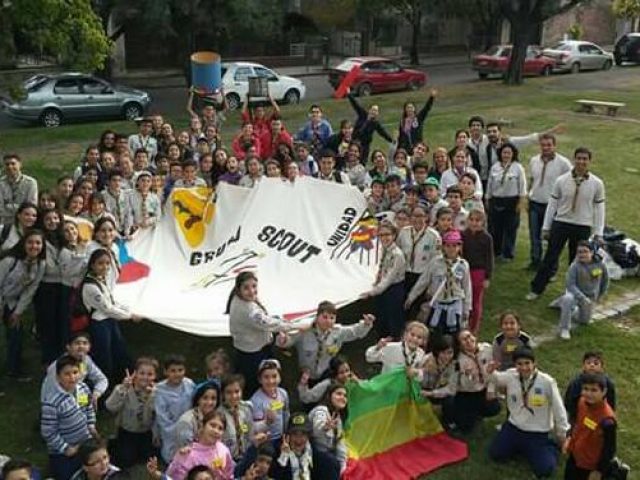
(66, 418)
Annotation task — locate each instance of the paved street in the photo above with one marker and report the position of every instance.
(171, 100)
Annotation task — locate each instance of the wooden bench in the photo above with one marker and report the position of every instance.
(589, 106)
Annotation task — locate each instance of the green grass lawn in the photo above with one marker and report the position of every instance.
(539, 104)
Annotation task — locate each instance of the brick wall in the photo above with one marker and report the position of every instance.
(596, 19)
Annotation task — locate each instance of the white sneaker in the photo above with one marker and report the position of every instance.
(565, 334)
(531, 296)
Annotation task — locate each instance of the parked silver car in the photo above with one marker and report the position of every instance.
(52, 99)
(576, 55)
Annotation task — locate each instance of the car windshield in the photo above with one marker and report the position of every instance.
(498, 51)
(565, 47)
(34, 83)
(347, 65)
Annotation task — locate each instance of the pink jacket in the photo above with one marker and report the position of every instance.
(216, 457)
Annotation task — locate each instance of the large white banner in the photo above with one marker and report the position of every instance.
(307, 242)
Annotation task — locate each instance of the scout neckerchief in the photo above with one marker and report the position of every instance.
(505, 171)
(439, 371)
(29, 275)
(450, 277)
(321, 339)
(144, 210)
(525, 391)
(142, 396)
(414, 244)
(476, 362)
(102, 286)
(385, 254)
(116, 198)
(336, 433)
(15, 188)
(578, 179)
(409, 355)
(302, 464)
(545, 162)
(144, 143)
(235, 413)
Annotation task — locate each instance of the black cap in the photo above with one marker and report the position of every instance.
(523, 352)
(299, 422)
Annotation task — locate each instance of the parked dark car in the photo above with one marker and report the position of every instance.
(496, 61)
(376, 75)
(627, 48)
(53, 99)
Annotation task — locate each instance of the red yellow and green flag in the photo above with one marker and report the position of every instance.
(392, 432)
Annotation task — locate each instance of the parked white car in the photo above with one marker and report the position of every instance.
(576, 55)
(235, 82)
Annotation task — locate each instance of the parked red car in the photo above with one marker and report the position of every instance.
(496, 61)
(377, 75)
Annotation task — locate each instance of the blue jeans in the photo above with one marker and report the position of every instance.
(390, 311)
(109, 350)
(561, 233)
(504, 221)
(536, 219)
(52, 319)
(62, 467)
(539, 450)
(247, 364)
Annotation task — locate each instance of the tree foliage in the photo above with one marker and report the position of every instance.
(525, 17)
(412, 12)
(484, 15)
(66, 29)
(626, 8)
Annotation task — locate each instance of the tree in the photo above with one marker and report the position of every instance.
(66, 29)
(485, 17)
(190, 25)
(525, 17)
(628, 9)
(412, 12)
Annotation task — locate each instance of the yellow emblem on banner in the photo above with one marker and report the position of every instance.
(193, 209)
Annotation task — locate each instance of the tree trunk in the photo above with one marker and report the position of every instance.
(415, 36)
(521, 32)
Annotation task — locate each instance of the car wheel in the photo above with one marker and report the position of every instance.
(292, 97)
(131, 111)
(233, 101)
(607, 65)
(483, 76)
(51, 118)
(364, 90)
(575, 67)
(413, 86)
(546, 71)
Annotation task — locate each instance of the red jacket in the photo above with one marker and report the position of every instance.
(261, 127)
(240, 151)
(270, 145)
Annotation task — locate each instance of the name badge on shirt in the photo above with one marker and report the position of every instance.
(332, 350)
(276, 405)
(244, 428)
(83, 399)
(590, 424)
(596, 272)
(217, 463)
(538, 401)
(510, 347)
(83, 368)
